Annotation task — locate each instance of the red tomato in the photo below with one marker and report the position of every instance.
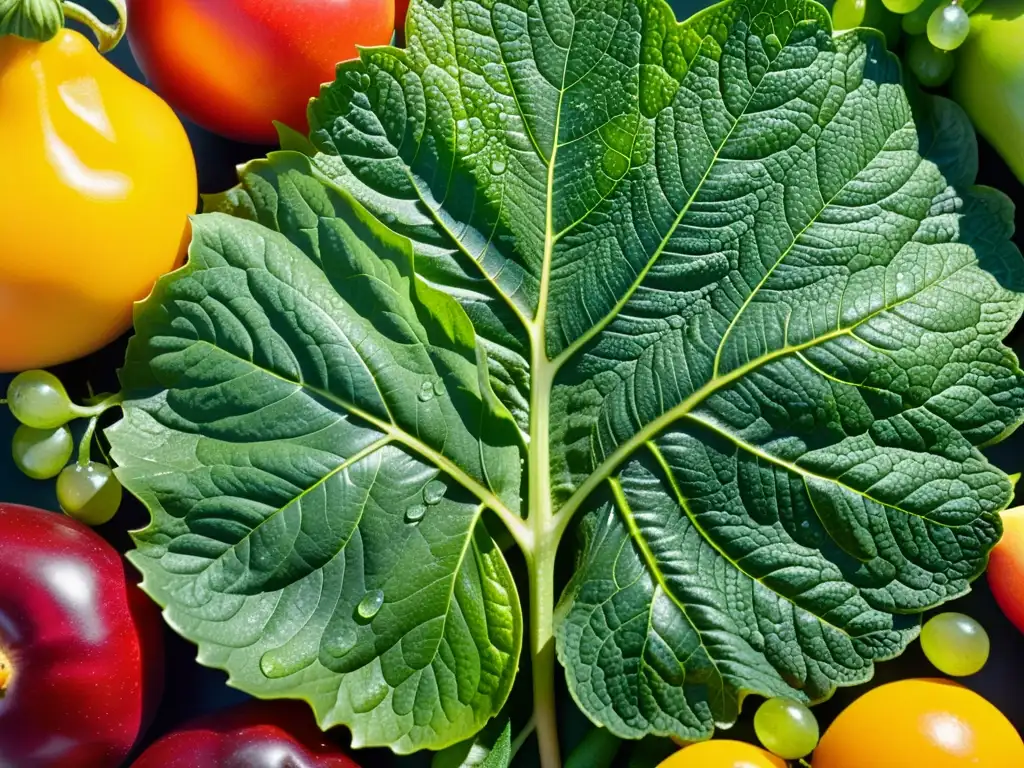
(1006, 567)
(259, 734)
(233, 66)
(81, 646)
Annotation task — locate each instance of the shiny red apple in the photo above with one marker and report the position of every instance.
(258, 734)
(80, 646)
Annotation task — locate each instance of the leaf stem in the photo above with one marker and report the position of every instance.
(542, 651)
(540, 557)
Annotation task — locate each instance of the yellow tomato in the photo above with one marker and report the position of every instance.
(99, 181)
(918, 723)
(722, 753)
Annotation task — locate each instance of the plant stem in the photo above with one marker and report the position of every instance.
(528, 729)
(542, 649)
(107, 35)
(540, 558)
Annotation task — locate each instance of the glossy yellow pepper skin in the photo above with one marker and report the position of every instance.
(98, 183)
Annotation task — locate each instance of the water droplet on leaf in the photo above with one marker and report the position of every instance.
(367, 697)
(433, 492)
(339, 646)
(286, 660)
(497, 166)
(370, 604)
(426, 392)
(415, 513)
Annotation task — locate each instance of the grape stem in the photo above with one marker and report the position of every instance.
(99, 407)
(85, 447)
(93, 413)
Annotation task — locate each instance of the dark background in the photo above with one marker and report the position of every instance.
(193, 690)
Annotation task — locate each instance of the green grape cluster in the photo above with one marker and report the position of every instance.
(932, 29)
(43, 444)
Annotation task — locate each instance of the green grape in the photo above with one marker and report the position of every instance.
(902, 6)
(786, 728)
(41, 453)
(38, 399)
(956, 644)
(916, 22)
(89, 492)
(930, 66)
(848, 14)
(948, 27)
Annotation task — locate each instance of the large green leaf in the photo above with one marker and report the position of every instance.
(316, 478)
(710, 284)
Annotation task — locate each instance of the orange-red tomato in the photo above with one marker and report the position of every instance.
(99, 183)
(920, 724)
(1006, 567)
(234, 66)
(723, 753)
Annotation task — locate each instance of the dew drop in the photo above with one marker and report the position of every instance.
(433, 492)
(370, 604)
(497, 166)
(270, 666)
(368, 696)
(415, 513)
(438, 388)
(426, 392)
(339, 646)
(286, 660)
(503, 117)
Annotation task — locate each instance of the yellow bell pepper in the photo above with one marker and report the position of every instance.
(99, 181)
